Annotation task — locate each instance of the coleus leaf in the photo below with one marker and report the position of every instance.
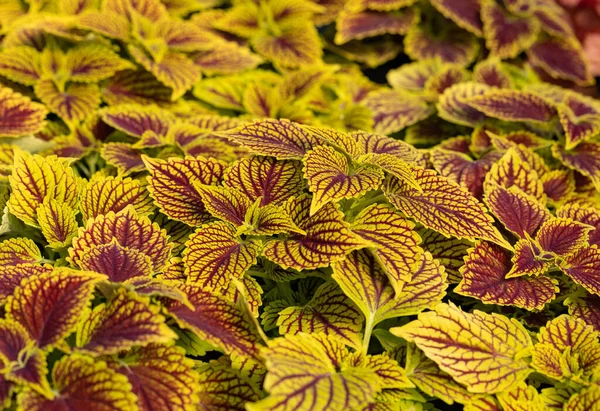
(217, 321)
(492, 73)
(364, 282)
(221, 387)
(584, 214)
(448, 76)
(374, 144)
(281, 139)
(295, 47)
(57, 299)
(562, 236)
(519, 212)
(379, 5)
(135, 87)
(413, 76)
(21, 64)
(91, 63)
(563, 59)
(175, 70)
(152, 10)
(35, 179)
(585, 158)
(214, 256)
(327, 239)
(462, 169)
(106, 23)
(104, 194)
(442, 206)
(73, 103)
(171, 184)
(332, 178)
(138, 120)
(161, 377)
(228, 58)
(586, 308)
(448, 251)
(451, 45)
(520, 395)
(506, 34)
(223, 92)
(484, 277)
(57, 222)
(124, 322)
(329, 311)
(15, 251)
(582, 267)
(513, 105)
(19, 115)
(261, 100)
(22, 363)
(454, 107)
(123, 157)
(394, 110)
(268, 220)
(466, 14)
(118, 263)
(511, 170)
(226, 204)
(12, 275)
(559, 185)
(392, 242)
(364, 24)
(426, 375)
(303, 372)
(580, 118)
(584, 399)
(449, 336)
(564, 337)
(129, 230)
(80, 381)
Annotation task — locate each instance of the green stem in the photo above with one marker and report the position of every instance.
(370, 324)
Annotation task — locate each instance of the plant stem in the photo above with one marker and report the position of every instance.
(368, 331)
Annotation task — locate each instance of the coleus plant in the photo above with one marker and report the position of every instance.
(319, 269)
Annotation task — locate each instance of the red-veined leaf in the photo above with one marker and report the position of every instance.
(394, 110)
(582, 267)
(15, 251)
(57, 222)
(296, 47)
(559, 185)
(175, 70)
(484, 272)
(442, 206)
(12, 275)
(392, 241)
(329, 311)
(281, 139)
(161, 376)
(506, 34)
(586, 308)
(135, 87)
(331, 178)
(361, 25)
(224, 203)
(580, 118)
(364, 282)
(450, 252)
(443, 41)
(90, 63)
(492, 73)
(585, 158)
(217, 321)
(21, 64)
(82, 383)
(214, 256)
(563, 59)
(520, 213)
(449, 336)
(327, 239)
(75, 103)
(513, 105)
(222, 387)
(123, 157)
(584, 214)
(228, 58)
(138, 120)
(268, 220)
(453, 104)
(19, 115)
(172, 186)
(124, 322)
(562, 236)
(465, 13)
(129, 230)
(118, 263)
(49, 305)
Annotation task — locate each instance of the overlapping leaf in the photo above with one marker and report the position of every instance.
(484, 277)
(129, 230)
(19, 115)
(449, 336)
(49, 305)
(124, 322)
(392, 111)
(332, 178)
(327, 239)
(442, 206)
(82, 382)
